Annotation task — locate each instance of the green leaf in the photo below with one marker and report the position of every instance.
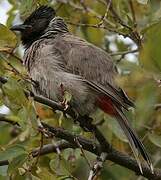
(145, 102)
(151, 54)
(32, 114)
(25, 134)
(11, 15)
(17, 162)
(8, 39)
(15, 94)
(34, 177)
(155, 139)
(12, 118)
(26, 117)
(45, 174)
(27, 120)
(60, 167)
(4, 132)
(12, 152)
(115, 128)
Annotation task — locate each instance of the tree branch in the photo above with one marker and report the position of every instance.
(113, 155)
(123, 53)
(88, 145)
(94, 172)
(50, 148)
(4, 163)
(5, 119)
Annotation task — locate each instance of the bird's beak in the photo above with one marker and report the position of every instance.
(20, 27)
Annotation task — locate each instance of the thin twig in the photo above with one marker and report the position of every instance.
(3, 118)
(123, 52)
(97, 27)
(82, 151)
(16, 57)
(41, 145)
(57, 148)
(83, 5)
(90, 11)
(105, 15)
(13, 55)
(132, 33)
(133, 12)
(94, 172)
(117, 17)
(50, 148)
(157, 106)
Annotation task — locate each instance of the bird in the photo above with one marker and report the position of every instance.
(62, 62)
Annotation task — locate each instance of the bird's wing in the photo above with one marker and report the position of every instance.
(93, 64)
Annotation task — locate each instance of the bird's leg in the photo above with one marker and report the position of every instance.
(62, 89)
(66, 96)
(63, 102)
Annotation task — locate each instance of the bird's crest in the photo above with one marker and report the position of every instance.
(41, 12)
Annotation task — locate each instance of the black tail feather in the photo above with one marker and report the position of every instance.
(136, 145)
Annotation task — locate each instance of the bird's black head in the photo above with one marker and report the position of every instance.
(34, 26)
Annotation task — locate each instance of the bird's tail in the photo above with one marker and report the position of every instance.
(135, 144)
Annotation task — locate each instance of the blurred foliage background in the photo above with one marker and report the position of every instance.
(131, 33)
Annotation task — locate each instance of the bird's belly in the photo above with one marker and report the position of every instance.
(53, 85)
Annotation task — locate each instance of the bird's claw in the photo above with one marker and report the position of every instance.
(65, 104)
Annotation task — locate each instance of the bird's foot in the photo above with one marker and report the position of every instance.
(66, 96)
(65, 104)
